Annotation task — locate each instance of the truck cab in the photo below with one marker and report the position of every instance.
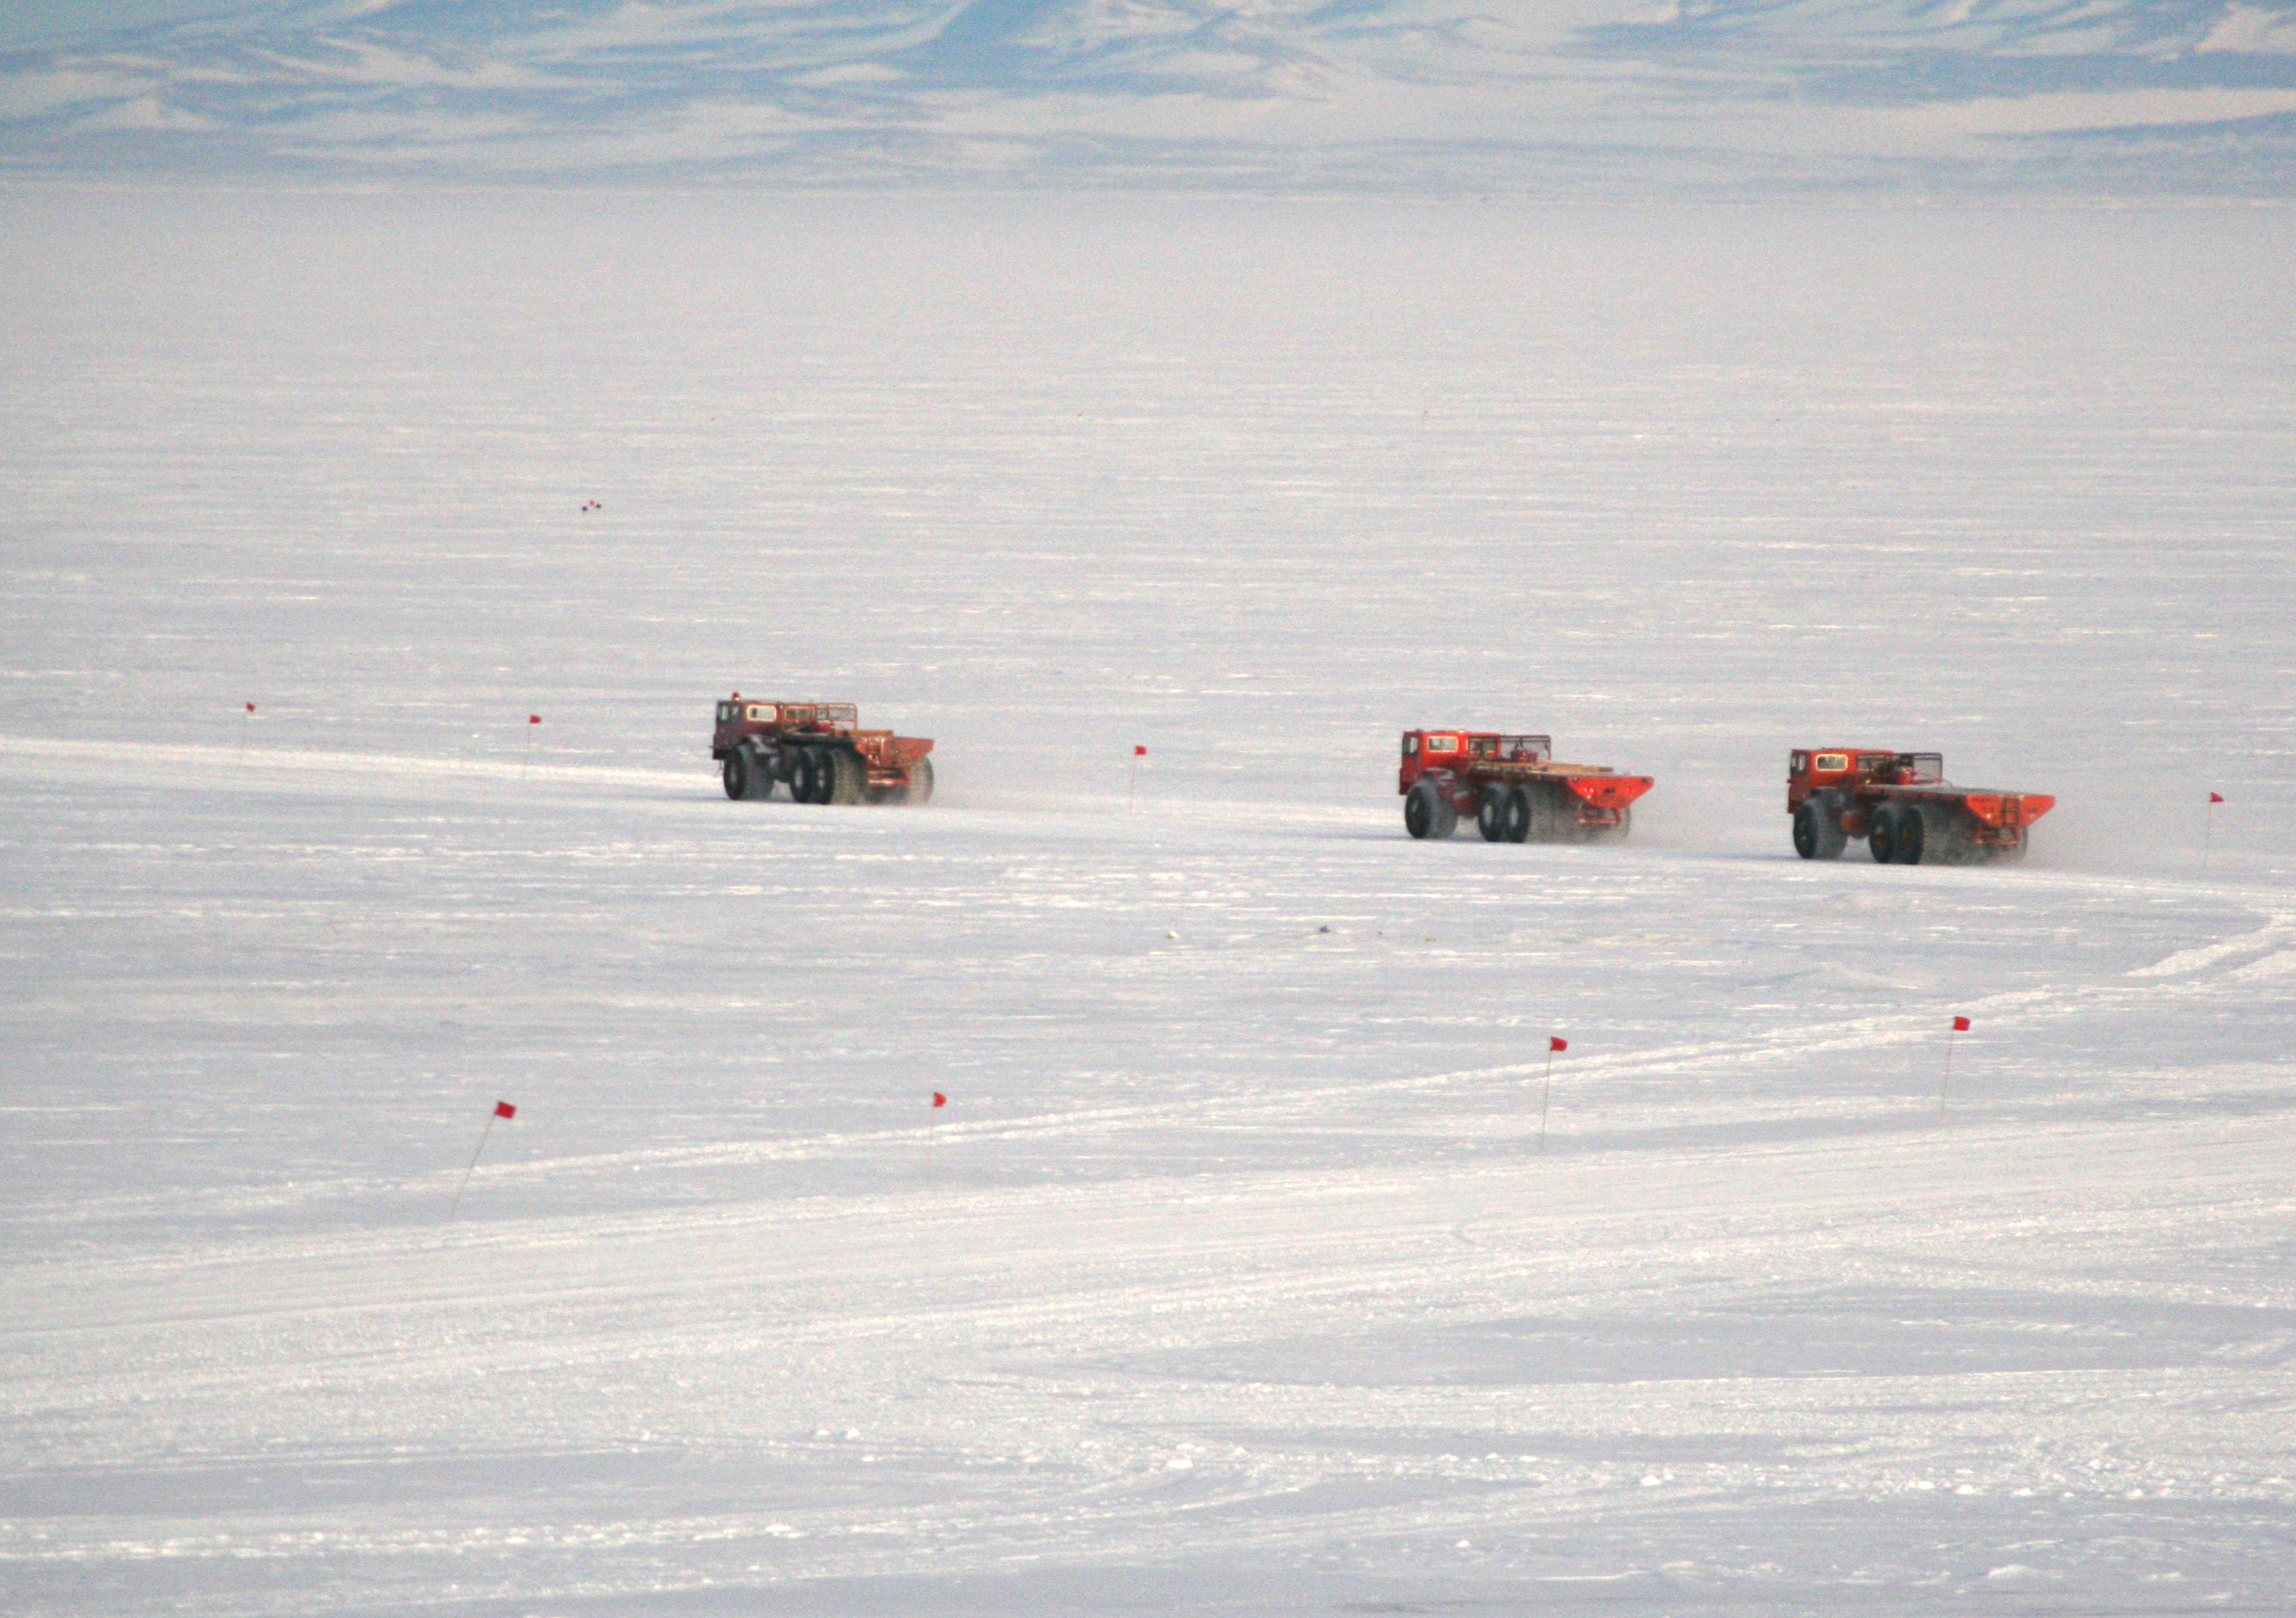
(1845, 769)
(1457, 751)
(740, 717)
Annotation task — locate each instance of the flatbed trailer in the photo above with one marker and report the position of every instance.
(1904, 807)
(1512, 787)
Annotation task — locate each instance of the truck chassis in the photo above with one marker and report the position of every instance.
(1512, 788)
(1904, 807)
(819, 750)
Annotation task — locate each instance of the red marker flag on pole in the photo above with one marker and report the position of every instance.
(1554, 1042)
(534, 718)
(931, 1123)
(939, 1100)
(250, 708)
(1141, 753)
(1960, 1026)
(502, 1109)
(2213, 797)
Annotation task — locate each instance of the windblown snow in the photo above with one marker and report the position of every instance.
(1242, 1280)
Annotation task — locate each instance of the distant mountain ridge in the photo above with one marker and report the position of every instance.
(1568, 95)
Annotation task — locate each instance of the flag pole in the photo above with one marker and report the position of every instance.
(502, 1109)
(532, 720)
(933, 1123)
(1958, 1025)
(1131, 788)
(2208, 825)
(1546, 1087)
(244, 717)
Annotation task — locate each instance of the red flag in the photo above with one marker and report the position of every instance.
(2213, 797)
(502, 1109)
(1139, 752)
(1556, 1042)
(939, 1100)
(250, 708)
(1961, 1025)
(534, 718)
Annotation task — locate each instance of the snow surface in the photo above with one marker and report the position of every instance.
(1241, 1283)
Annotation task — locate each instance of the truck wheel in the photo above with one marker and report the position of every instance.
(848, 777)
(1425, 814)
(1896, 838)
(761, 778)
(737, 776)
(801, 773)
(1518, 813)
(921, 784)
(1882, 834)
(1491, 813)
(1913, 834)
(1817, 833)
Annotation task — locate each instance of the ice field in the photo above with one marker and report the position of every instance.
(1241, 1283)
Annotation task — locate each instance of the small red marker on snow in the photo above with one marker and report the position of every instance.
(1554, 1042)
(502, 1109)
(1960, 1026)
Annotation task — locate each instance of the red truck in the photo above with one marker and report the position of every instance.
(1904, 807)
(1512, 787)
(820, 750)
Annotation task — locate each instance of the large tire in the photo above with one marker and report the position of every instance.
(803, 768)
(737, 775)
(919, 789)
(1519, 814)
(1882, 834)
(1425, 814)
(1913, 834)
(847, 778)
(1897, 835)
(1817, 833)
(1544, 813)
(1491, 813)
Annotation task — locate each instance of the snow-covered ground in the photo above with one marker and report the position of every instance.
(1241, 1283)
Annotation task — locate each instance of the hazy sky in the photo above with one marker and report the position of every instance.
(25, 24)
(1562, 96)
